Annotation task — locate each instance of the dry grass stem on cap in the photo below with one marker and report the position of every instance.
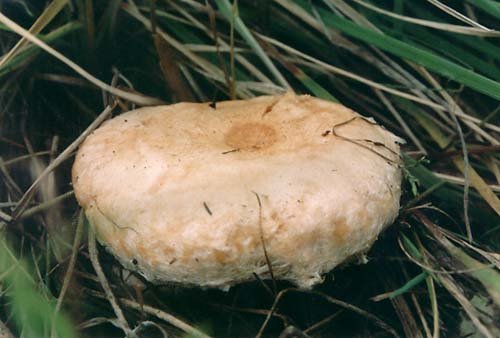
(262, 240)
(23, 202)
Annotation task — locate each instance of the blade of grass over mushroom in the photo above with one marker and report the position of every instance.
(42, 21)
(231, 13)
(140, 99)
(404, 50)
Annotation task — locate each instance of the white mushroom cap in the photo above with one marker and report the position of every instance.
(191, 194)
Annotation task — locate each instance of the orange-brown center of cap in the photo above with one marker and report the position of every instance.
(250, 136)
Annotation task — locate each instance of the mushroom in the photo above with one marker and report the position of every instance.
(289, 186)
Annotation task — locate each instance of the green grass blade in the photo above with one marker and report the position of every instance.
(489, 6)
(56, 34)
(315, 88)
(475, 44)
(32, 309)
(411, 247)
(453, 50)
(43, 20)
(412, 53)
(228, 12)
(409, 285)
